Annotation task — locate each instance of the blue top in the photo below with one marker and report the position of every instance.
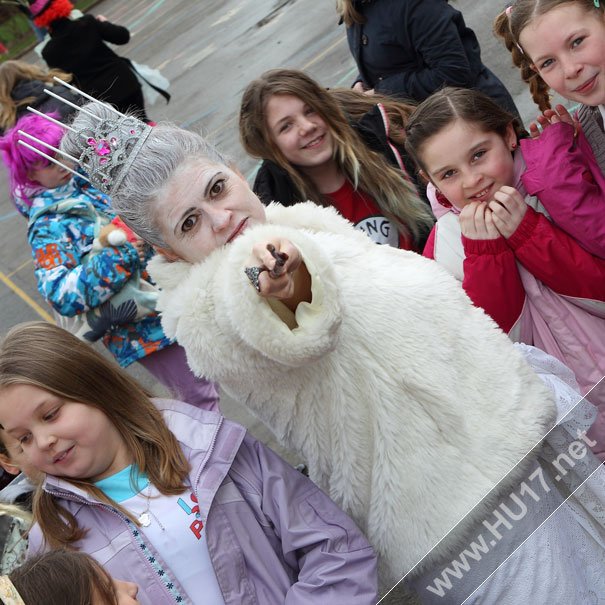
(124, 484)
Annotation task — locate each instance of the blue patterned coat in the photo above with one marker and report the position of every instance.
(59, 241)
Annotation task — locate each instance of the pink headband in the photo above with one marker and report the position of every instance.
(508, 11)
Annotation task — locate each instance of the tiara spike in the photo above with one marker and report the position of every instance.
(86, 96)
(107, 147)
(48, 145)
(53, 160)
(59, 98)
(49, 118)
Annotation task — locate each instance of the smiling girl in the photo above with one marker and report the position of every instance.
(178, 500)
(536, 281)
(337, 148)
(560, 44)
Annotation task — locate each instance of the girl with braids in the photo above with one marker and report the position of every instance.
(560, 45)
(336, 148)
(540, 286)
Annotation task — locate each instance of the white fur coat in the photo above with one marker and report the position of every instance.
(407, 402)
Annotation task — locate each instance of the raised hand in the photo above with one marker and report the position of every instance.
(275, 271)
(552, 116)
(508, 209)
(476, 222)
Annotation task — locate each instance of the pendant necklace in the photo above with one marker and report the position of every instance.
(144, 518)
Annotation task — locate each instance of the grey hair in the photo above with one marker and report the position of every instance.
(166, 149)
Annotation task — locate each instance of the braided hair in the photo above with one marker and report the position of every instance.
(509, 24)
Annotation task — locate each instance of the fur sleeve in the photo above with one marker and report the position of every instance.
(318, 219)
(259, 326)
(216, 315)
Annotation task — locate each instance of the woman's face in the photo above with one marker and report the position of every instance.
(203, 207)
(299, 132)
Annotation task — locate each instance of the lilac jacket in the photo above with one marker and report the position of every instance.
(273, 536)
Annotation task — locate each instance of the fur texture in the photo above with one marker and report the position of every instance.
(407, 402)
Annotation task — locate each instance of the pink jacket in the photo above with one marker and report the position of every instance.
(563, 173)
(540, 285)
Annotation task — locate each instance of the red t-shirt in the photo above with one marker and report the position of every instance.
(364, 213)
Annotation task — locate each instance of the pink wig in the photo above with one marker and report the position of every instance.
(18, 158)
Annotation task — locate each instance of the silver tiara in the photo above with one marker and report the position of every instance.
(108, 148)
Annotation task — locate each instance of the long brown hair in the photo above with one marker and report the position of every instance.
(450, 104)
(366, 169)
(356, 104)
(13, 72)
(63, 576)
(509, 24)
(45, 356)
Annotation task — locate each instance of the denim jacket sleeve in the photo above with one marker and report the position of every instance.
(59, 243)
(335, 562)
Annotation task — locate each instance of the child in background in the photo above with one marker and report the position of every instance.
(560, 44)
(96, 67)
(14, 464)
(318, 145)
(180, 501)
(540, 286)
(66, 577)
(15, 504)
(64, 213)
(23, 84)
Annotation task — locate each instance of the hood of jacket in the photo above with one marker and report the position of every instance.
(28, 88)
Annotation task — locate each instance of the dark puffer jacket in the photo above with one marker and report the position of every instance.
(412, 48)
